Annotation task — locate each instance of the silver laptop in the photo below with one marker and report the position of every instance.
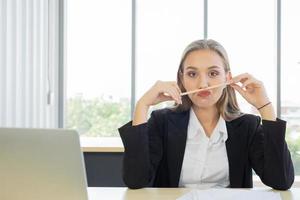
(41, 164)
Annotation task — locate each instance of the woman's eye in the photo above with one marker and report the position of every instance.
(213, 73)
(191, 74)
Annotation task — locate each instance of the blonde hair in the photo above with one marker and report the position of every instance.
(227, 104)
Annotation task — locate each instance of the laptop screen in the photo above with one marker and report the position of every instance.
(41, 164)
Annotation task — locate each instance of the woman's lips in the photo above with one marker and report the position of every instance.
(204, 93)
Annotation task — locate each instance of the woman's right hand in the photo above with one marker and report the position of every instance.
(161, 91)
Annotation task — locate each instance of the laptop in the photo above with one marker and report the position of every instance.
(41, 164)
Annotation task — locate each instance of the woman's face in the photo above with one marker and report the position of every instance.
(201, 69)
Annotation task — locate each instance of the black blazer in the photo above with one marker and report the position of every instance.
(154, 151)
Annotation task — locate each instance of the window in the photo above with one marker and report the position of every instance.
(249, 38)
(99, 56)
(290, 71)
(162, 34)
(98, 66)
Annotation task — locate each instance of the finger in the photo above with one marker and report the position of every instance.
(246, 83)
(239, 89)
(254, 82)
(241, 77)
(166, 98)
(245, 75)
(174, 94)
(169, 85)
(178, 88)
(177, 93)
(174, 84)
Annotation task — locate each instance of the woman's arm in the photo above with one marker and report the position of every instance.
(142, 139)
(268, 113)
(143, 152)
(269, 154)
(156, 94)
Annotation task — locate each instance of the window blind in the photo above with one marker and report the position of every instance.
(28, 63)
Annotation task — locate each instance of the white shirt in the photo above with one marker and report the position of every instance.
(205, 162)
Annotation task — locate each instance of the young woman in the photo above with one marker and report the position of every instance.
(205, 140)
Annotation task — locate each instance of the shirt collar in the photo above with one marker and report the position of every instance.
(220, 132)
(195, 127)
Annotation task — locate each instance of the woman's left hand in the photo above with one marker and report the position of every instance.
(252, 89)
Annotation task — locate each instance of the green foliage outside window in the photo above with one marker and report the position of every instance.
(294, 147)
(98, 116)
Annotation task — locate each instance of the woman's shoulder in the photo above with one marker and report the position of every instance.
(246, 118)
(162, 111)
(167, 113)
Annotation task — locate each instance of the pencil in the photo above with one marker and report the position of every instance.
(203, 89)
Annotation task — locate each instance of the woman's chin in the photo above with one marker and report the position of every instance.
(203, 103)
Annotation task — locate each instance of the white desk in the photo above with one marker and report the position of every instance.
(122, 193)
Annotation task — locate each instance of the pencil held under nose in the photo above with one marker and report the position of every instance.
(208, 88)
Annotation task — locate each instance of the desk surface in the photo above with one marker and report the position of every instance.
(123, 193)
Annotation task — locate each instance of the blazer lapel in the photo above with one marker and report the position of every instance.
(234, 146)
(176, 141)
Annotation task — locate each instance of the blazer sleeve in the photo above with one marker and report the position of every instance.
(269, 154)
(143, 152)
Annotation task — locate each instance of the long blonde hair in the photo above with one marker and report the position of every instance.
(227, 104)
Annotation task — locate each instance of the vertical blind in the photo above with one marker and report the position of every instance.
(28, 63)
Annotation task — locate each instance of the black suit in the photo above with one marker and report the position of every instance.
(154, 151)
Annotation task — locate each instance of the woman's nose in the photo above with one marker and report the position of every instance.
(202, 82)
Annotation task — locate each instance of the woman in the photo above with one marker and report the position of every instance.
(205, 141)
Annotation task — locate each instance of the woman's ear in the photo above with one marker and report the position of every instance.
(228, 76)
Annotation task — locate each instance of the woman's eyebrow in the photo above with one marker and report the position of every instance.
(191, 67)
(214, 66)
(196, 68)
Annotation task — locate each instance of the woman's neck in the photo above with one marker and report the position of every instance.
(208, 117)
